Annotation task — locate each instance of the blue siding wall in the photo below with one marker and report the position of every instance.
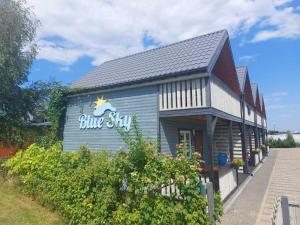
(142, 102)
(169, 134)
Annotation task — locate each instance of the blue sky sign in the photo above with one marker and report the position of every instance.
(97, 120)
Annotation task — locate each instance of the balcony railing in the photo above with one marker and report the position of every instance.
(183, 94)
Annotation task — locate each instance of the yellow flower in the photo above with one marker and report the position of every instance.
(146, 180)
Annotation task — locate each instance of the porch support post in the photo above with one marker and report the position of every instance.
(258, 133)
(244, 150)
(250, 139)
(243, 136)
(230, 141)
(256, 137)
(210, 127)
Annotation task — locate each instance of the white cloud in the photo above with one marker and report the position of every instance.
(279, 94)
(105, 29)
(65, 69)
(248, 58)
(276, 106)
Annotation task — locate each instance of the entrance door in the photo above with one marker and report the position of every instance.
(199, 142)
(185, 136)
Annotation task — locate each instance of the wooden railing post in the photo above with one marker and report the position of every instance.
(210, 201)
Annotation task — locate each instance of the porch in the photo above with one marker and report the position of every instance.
(211, 136)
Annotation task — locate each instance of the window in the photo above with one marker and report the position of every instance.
(185, 136)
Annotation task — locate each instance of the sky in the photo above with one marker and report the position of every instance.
(77, 35)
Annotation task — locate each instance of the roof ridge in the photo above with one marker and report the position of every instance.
(164, 46)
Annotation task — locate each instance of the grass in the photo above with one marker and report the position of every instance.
(18, 209)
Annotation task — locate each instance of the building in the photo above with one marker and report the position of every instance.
(187, 91)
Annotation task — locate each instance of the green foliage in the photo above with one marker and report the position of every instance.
(56, 111)
(45, 141)
(125, 188)
(18, 50)
(289, 142)
(273, 132)
(218, 207)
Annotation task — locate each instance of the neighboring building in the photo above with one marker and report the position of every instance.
(187, 91)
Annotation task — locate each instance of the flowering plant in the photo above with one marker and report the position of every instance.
(237, 162)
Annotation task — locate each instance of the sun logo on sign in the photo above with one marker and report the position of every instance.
(101, 105)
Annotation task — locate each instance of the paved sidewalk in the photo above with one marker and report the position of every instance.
(285, 181)
(246, 208)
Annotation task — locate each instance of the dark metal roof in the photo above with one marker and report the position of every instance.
(241, 72)
(194, 54)
(244, 82)
(262, 102)
(254, 89)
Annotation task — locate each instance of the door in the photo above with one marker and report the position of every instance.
(199, 142)
(185, 136)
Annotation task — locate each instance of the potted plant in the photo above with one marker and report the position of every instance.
(264, 149)
(258, 153)
(236, 163)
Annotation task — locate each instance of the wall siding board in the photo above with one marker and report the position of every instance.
(161, 97)
(203, 92)
(224, 99)
(237, 142)
(165, 104)
(198, 91)
(221, 141)
(194, 94)
(183, 94)
(259, 122)
(178, 89)
(169, 88)
(174, 95)
(249, 116)
(142, 102)
(188, 93)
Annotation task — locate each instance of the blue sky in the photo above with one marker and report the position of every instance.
(265, 36)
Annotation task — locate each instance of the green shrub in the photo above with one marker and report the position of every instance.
(125, 188)
(288, 142)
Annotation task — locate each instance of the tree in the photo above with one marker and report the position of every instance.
(17, 51)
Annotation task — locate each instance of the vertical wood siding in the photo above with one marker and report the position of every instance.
(183, 94)
(247, 142)
(249, 114)
(221, 141)
(237, 142)
(259, 119)
(141, 102)
(224, 99)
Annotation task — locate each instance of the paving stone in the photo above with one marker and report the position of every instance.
(278, 176)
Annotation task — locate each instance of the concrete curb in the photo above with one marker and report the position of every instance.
(231, 200)
(265, 195)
